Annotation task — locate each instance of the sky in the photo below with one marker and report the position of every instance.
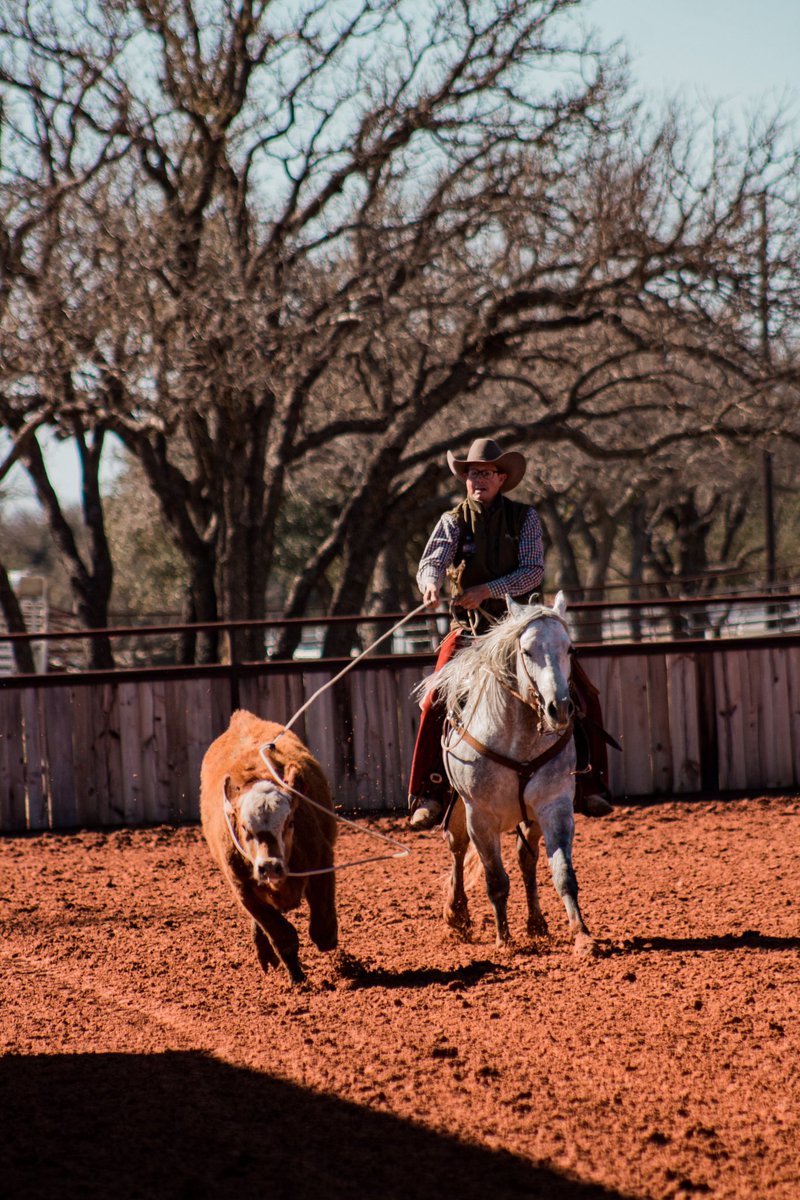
(740, 51)
(744, 53)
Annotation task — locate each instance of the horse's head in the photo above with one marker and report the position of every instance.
(263, 816)
(543, 661)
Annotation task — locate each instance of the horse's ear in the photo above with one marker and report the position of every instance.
(560, 604)
(512, 606)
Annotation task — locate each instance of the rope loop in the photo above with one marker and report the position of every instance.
(400, 850)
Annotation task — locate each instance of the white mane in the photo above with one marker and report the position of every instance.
(486, 665)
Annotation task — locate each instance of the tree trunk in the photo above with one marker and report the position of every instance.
(91, 586)
(638, 539)
(15, 623)
(567, 576)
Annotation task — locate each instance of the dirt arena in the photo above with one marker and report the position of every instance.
(145, 1055)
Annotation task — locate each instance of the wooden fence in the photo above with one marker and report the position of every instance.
(124, 748)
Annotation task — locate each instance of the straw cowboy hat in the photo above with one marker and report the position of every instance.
(485, 453)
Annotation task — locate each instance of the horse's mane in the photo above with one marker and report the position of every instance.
(485, 665)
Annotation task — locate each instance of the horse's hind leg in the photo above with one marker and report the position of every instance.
(528, 857)
(456, 909)
(558, 830)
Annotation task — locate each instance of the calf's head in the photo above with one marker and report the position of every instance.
(263, 815)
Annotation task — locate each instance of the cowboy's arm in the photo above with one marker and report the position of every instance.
(437, 557)
(528, 574)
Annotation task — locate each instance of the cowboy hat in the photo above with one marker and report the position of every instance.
(485, 453)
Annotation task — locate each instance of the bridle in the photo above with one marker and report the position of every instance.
(526, 769)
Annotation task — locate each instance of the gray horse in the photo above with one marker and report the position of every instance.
(510, 756)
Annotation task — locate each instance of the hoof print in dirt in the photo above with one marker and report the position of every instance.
(347, 966)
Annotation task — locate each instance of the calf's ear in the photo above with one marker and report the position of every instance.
(227, 788)
(293, 778)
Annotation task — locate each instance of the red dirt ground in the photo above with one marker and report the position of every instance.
(145, 1055)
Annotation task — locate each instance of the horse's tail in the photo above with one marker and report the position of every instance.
(473, 869)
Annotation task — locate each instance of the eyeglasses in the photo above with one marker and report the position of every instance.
(473, 473)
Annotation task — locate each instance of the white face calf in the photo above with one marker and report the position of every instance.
(266, 818)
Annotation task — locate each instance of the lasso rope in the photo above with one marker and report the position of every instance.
(420, 608)
(401, 851)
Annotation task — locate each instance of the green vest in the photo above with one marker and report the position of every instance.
(488, 545)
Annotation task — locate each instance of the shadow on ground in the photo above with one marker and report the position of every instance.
(185, 1125)
(751, 939)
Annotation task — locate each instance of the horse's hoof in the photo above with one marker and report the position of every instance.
(585, 945)
(537, 928)
(460, 929)
(457, 918)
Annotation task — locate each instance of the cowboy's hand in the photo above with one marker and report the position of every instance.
(473, 597)
(431, 595)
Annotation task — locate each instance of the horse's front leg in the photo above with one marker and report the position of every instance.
(528, 857)
(558, 825)
(497, 884)
(456, 909)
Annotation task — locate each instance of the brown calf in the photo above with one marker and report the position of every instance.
(279, 835)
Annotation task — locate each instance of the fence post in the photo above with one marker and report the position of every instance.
(707, 720)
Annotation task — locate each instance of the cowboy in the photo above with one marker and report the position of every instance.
(491, 546)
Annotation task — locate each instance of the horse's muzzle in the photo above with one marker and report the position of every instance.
(558, 714)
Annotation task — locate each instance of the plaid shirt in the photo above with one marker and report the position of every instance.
(443, 543)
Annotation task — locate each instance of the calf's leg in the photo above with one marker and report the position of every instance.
(266, 955)
(278, 931)
(323, 927)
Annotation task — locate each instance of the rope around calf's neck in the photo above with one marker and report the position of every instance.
(401, 851)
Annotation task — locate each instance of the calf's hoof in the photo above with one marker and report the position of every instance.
(325, 939)
(296, 972)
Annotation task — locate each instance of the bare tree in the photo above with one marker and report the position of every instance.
(57, 139)
(290, 201)
(375, 233)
